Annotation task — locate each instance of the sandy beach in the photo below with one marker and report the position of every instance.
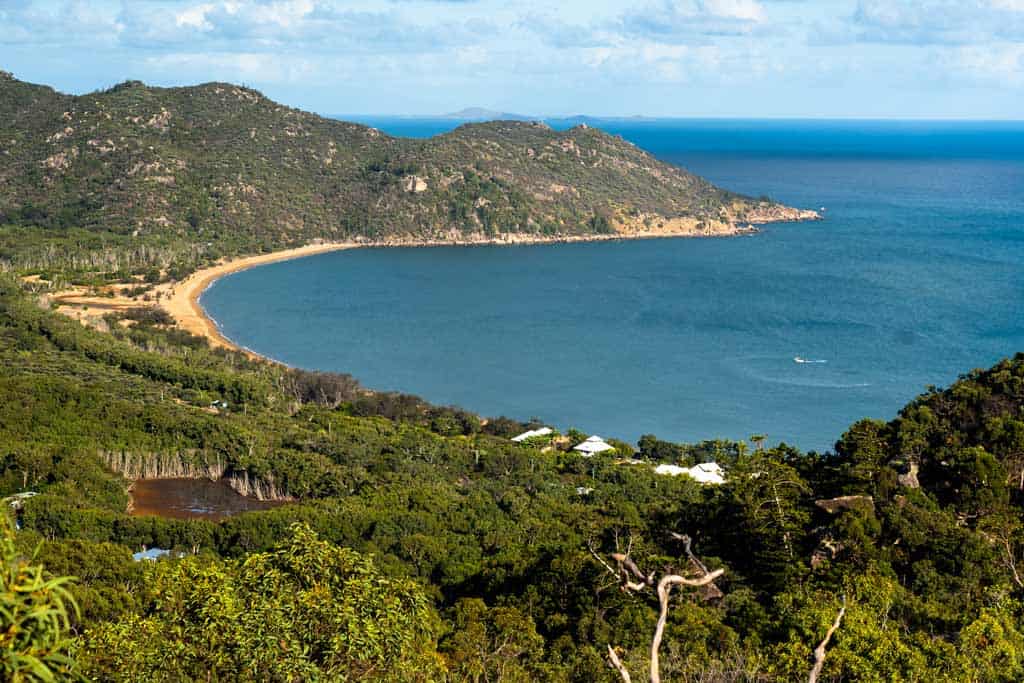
(182, 302)
(181, 299)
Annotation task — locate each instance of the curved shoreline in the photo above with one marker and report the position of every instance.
(182, 300)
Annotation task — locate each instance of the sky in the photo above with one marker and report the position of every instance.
(681, 58)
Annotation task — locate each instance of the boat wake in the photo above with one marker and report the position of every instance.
(820, 373)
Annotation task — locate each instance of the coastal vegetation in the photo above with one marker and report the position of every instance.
(452, 553)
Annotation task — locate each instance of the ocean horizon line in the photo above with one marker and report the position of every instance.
(642, 118)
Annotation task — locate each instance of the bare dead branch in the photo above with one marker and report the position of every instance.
(819, 652)
(1003, 537)
(628, 571)
(590, 547)
(628, 566)
(1010, 561)
(664, 593)
(710, 591)
(617, 664)
(687, 542)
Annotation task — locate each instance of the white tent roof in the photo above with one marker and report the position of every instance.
(594, 444)
(707, 475)
(543, 431)
(705, 472)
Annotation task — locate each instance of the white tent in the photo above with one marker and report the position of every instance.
(708, 473)
(543, 431)
(592, 445)
(705, 472)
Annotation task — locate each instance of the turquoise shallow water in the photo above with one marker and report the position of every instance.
(914, 277)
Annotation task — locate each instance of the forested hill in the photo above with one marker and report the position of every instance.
(422, 544)
(222, 163)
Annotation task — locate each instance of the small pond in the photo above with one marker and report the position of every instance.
(191, 499)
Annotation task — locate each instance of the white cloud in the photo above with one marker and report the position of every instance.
(285, 14)
(194, 17)
(312, 26)
(473, 55)
(244, 67)
(745, 10)
(999, 65)
(928, 22)
(533, 55)
(27, 22)
(655, 63)
(1009, 5)
(688, 20)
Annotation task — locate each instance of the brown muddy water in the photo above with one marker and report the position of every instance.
(191, 499)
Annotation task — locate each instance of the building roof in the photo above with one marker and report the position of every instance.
(543, 431)
(152, 554)
(705, 472)
(707, 476)
(592, 445)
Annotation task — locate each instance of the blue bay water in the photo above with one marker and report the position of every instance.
(914, 277)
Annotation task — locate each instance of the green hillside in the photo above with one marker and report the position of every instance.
(420, 543)
(217, 169)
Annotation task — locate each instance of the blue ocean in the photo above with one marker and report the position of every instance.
(915, 276)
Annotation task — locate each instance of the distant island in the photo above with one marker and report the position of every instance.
(484, 115)
(481, 114)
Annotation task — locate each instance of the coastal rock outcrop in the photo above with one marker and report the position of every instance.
(415, 184)
(192, 465)
(770, 212)
(908, 476)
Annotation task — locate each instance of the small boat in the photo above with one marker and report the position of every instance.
(798, 359)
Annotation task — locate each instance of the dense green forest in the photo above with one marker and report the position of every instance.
(420, 543)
